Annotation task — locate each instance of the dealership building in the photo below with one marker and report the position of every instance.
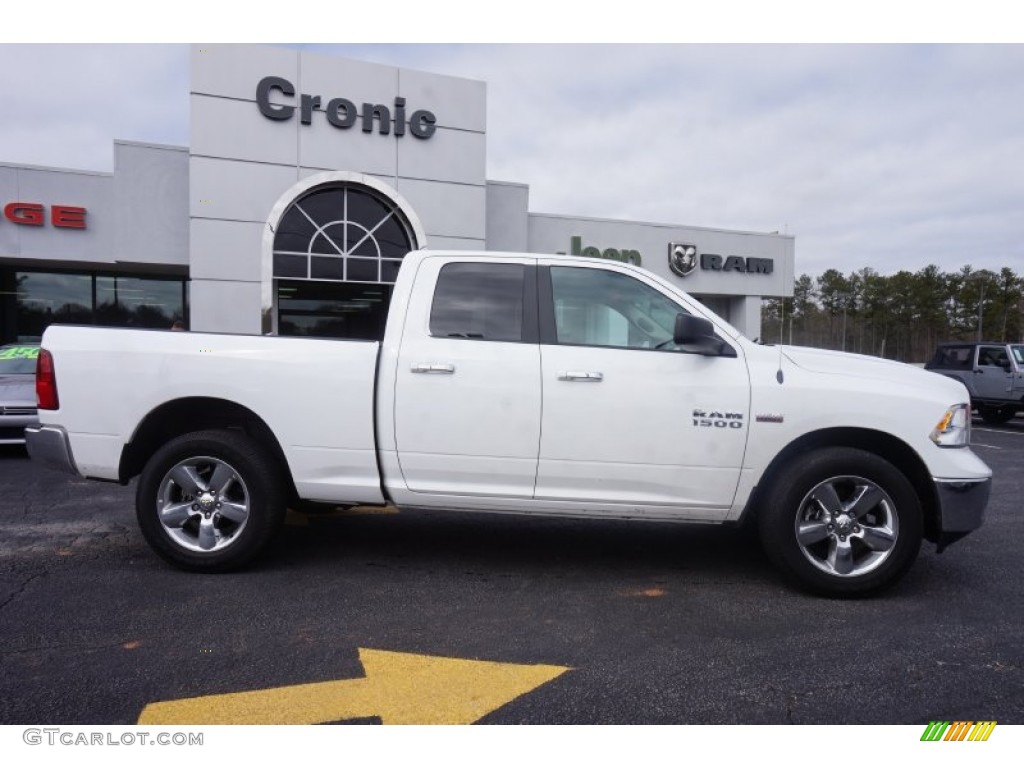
(306, 181)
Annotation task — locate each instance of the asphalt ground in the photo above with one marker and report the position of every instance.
(656, 623)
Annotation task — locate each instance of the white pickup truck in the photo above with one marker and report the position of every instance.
(521, 383)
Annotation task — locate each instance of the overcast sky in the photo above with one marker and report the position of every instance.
(890, 157)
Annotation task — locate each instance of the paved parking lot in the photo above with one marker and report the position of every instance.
(586, 622)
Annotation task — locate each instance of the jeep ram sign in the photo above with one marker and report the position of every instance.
(625, 255)
(683, 259)
(342, 113)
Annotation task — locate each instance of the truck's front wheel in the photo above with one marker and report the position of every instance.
(210, 501)
(841, 522)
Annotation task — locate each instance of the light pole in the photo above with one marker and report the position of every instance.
(981, 309)
(983, 276)
(845, 298)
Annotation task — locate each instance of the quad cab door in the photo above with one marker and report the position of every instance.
(467, 386)
(631, 422)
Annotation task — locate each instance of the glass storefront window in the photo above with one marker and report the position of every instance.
(44, 298)
(31, 301)
(332, 310)
(342, 232)
(138, 302)
(337, 251)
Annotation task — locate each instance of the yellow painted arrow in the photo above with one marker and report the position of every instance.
(400, 688)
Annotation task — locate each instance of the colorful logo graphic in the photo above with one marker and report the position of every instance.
(960, 730)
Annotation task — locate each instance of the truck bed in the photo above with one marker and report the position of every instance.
(314, 395)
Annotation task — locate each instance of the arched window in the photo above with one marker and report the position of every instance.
(343, 232)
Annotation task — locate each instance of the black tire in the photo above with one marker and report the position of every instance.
(997, 415)
(210, 501)
(841, 522)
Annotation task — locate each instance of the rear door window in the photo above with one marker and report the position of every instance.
(479, 301)
(959, 358)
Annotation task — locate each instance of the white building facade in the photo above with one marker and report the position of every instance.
(306, 180)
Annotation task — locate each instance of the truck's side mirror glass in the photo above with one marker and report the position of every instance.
(699, 335)
(691, 329)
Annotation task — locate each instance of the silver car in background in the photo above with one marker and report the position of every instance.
(17, 391)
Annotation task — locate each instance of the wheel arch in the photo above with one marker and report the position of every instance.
(885, 445)
(192, 414)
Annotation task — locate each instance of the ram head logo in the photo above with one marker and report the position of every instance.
(682, 258)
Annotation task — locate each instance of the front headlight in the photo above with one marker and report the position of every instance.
(954, 428)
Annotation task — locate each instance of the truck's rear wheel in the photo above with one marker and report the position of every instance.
(210, 501)
(841, 522)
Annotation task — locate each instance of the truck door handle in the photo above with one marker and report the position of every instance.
(580, 376)
(433, 368)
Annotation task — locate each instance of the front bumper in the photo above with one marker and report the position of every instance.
(50, 447)
(961, 508)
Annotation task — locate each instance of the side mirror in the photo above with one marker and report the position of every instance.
(699, 335)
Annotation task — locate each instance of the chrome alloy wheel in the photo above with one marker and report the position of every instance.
(847, 526)
(203, 504)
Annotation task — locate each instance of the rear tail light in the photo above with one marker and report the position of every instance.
(46, 382)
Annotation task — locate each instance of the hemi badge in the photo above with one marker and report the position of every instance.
(771, 418)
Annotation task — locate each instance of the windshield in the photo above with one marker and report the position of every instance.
(1018, 353)
(18, 359)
